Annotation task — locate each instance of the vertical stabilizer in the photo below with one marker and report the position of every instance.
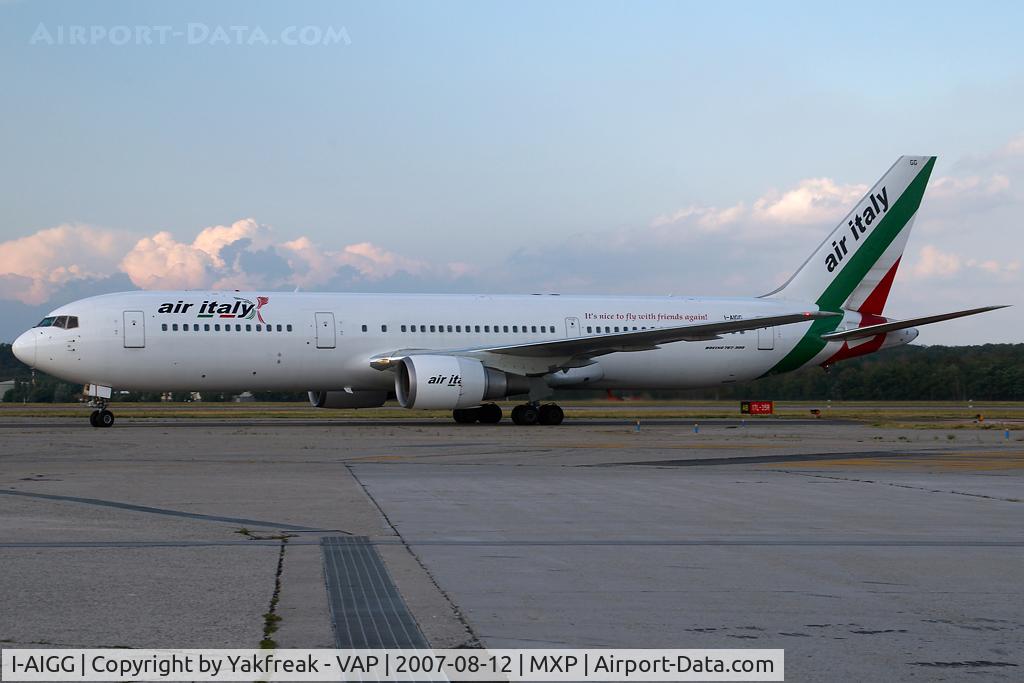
(855, 266)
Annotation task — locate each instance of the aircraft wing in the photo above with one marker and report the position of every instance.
(882, 328)
(645, 340)
(601, 344)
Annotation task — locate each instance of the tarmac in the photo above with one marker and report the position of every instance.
(864, 552)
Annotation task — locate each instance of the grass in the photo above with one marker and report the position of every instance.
(889, 414)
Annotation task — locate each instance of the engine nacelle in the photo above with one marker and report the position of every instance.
(345, 399)
(445, 382)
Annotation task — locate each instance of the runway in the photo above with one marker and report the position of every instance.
(864, 552)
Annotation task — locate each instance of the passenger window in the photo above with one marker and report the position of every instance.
(533, 328)
(248, 327)
(238, 328)
(195, 328)
(403, 328)
(206, 327)
(449, 328)
(487, 328)
(588, 330)
(432, 328)
(383, 328)
(216, 328)
(364, 328)
(259, 328)
(164, 327)
(477, 329)
(278, 328)
(505, 328)
(458, 328)
(174, 327)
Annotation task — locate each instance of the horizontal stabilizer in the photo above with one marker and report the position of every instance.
(882, 328)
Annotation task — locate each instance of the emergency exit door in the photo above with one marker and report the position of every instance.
(134, 330)
(326, 334)
(766, 338)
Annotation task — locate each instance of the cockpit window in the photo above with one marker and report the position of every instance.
(64, 322)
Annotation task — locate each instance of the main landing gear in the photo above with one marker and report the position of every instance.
(533, 413)
(101, 417)
(489, 413)
(526, 414)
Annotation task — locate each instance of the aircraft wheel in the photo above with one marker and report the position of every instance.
(525, 414)
(551, 414)
(105, 419)
(466, 416)
(94, 418)
(489, 413)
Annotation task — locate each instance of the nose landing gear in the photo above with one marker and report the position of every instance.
(101, 417)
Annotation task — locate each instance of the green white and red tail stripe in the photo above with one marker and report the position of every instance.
(853, 269)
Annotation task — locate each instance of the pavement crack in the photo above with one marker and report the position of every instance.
(898, 486)
(271, 619)
(474, 641)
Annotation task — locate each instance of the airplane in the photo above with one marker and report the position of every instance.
(463, 352)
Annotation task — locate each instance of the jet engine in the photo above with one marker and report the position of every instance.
(345, 399)
(444, 382)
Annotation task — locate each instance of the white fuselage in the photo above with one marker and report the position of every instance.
(206, 340)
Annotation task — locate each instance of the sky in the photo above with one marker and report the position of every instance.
(597, 147)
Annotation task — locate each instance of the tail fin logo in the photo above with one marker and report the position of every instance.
(859, 225)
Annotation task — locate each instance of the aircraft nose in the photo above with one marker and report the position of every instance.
(24, 348)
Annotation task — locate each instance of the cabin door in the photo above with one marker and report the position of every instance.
(134, 330)
(326, 333)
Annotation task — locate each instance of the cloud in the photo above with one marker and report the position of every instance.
(932, 262)
(35, 266)
(161, 262)
(242, 255)
(812, 201)
(1013, 148)
(707, 218)
(971, 187)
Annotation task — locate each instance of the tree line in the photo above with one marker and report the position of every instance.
(992, 372)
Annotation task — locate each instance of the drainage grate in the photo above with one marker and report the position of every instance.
(366, 609)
